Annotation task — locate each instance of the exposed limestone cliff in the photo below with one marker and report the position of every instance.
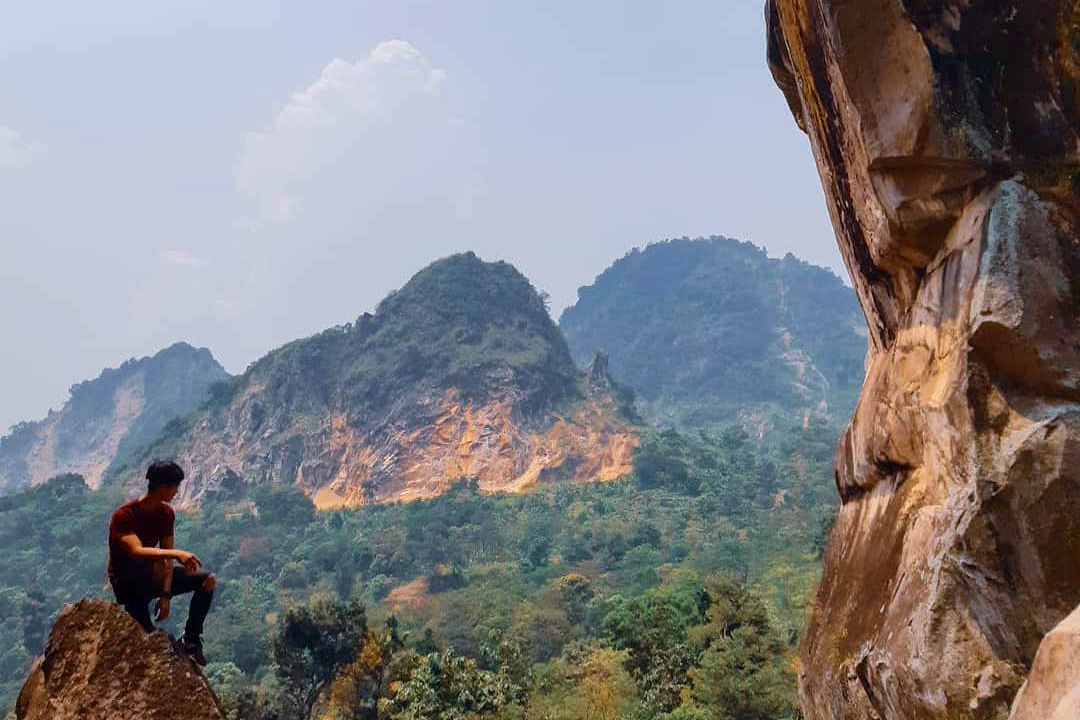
(460, 373)
(946, 136)
(100, 665)
(115, 413)
(591, 442)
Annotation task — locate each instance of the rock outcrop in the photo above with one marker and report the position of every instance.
(946, 137)
(460, 373)
(100, 665)
(1052, 691)
(108, 416)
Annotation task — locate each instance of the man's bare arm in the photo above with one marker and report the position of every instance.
(139, 551)
(166, 579)
(163, 577)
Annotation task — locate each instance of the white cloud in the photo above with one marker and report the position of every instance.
(347, 130)
(15, 153)
(178, 258)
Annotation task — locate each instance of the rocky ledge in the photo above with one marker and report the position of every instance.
(100, 665)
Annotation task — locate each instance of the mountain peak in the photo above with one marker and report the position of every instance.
(469, 289)
(710, 330)
(461, 372)
(119, 410)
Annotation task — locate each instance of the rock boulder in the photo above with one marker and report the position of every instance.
(100, 665)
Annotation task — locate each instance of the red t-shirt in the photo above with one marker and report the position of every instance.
(151, 525)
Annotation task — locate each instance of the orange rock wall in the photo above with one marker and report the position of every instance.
(341, 465)
(485, 442)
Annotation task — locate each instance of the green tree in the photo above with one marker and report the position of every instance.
(576, 592)
(288, 506)
(660, 462)
(313, 642)
(365, 684)
(230, 686)
(445, 686)
(653, 628)
(744, 672)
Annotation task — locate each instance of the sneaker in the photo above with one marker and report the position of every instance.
(193, 649)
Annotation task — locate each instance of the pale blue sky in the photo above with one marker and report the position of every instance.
(238, 173)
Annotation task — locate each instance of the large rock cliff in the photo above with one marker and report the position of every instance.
(106, 417)
(946, 136)
(100, 665)
(459, 373)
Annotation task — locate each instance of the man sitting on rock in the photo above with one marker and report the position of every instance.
(141, 556)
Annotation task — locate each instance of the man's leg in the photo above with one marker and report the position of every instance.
(139, 609)
(134, 594)
(201, 585)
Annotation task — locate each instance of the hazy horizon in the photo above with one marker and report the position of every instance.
(238, 174)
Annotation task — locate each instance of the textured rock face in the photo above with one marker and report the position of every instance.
(945, 134)
(593, 443)
(1052, 691)
(108, 416)
(435, 440)
(100, 665)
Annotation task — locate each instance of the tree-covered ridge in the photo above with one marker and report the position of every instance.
(460, 322)
(578, 578)
(706, 329)
(109, 417)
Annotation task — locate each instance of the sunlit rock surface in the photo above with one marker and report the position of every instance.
(100, 665)
(1052, 691)
(945, 134)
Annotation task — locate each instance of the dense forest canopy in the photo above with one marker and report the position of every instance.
(573, 577)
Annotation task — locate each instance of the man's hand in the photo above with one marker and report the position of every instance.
(188, 560)
(161, 609)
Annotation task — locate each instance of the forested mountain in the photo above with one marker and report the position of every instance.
(681, 587)
(459, 373)
(120, 410)
(676, 590)
(711, 331)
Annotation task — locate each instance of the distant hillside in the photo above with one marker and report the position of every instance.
(708, 331)
(109, 416)
(459, 373)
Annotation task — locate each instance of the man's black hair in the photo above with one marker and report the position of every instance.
(163, 472)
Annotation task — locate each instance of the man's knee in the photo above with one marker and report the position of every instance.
(159, 570)
(208, 583)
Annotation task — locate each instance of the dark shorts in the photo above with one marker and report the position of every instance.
(138, 584)
(135, 590)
